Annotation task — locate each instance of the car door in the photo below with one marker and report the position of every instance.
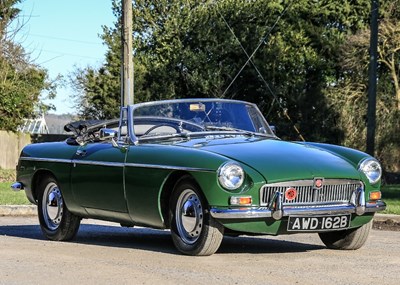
(97, 177)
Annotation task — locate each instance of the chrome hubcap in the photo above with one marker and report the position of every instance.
(52, 206)
(189, 216)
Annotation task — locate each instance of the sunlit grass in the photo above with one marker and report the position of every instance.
(391, 195)
(9, 197)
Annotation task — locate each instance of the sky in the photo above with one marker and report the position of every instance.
(61, 35)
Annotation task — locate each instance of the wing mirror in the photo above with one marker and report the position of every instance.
(273, 129)
(108, 134)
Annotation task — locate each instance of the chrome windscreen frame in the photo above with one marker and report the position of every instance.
(130, 128)
(130, 110)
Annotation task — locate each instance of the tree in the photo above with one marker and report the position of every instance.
(348, 94)
(196, 49)
(21, 81)
(389, 53)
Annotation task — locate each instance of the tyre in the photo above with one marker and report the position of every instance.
(56, 222)
(348, 239)
(193, 230)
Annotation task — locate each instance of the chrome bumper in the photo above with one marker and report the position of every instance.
(277, 210)
(17, 186)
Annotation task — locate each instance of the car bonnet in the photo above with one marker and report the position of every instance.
(279, 160)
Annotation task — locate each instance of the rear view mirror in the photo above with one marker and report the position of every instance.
(197, 107)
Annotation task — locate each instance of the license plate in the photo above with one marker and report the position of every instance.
(318, 223)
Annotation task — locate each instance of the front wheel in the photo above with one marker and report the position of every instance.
(347, 239)
(56, 221)
(193, 230)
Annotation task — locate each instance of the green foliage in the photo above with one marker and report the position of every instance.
(196, 49)
(299, 73)
(21, 82)
(349, 93)
(19, 90)
(7, 13)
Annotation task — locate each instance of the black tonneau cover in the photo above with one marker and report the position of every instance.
(81, 127)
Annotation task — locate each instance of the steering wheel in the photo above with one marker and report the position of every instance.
(175, 127)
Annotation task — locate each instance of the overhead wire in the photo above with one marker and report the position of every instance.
(64, 39)
(256, 49)
(249, 59)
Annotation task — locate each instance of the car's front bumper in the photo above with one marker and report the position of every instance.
(278, 210)
(263, 212)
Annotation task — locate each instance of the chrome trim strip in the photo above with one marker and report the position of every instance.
(191, 100)
(98, 163)
(117, 164)
(262, 212)
(310, 182)
(169, 167)
(40, 159)
(74, 161)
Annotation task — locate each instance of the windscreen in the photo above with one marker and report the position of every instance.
(208, 115)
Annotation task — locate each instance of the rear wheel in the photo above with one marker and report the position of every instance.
(56, 222)
(193, 230)
(348, 239)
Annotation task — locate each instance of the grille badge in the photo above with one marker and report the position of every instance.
(290, 193)
(318, 183)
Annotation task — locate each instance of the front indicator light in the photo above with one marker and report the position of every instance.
(376, 195)
(241, 201)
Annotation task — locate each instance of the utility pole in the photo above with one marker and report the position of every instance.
(371, 113)
(127, 50)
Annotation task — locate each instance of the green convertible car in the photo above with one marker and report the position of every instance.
(201, 168)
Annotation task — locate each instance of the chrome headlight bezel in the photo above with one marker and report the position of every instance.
(231, 176)
(372, 169)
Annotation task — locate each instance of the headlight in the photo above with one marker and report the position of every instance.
(372, 169)
(231, 176)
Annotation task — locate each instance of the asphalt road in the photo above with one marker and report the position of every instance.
(104, 253)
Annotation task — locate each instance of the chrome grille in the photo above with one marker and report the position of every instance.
(333, 191)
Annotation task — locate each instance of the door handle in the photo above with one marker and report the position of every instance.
(80, 152)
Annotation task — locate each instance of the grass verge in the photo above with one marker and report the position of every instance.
(9, 197)
(391, 196)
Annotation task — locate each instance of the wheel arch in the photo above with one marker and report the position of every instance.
(40, 174)
(168, 188)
